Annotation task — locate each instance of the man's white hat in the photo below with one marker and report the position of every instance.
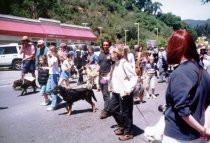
(40, 42)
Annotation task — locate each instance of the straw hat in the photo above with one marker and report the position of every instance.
(162, 48)
(25, 38)
(63, 45)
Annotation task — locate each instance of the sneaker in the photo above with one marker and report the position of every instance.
(148, 96)
(153, 96)
(45, 103)
(104, 114)
(50, 108)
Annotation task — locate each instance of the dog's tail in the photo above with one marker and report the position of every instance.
(93, 95)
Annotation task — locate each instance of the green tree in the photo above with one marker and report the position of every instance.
(205, 1)
(156, 7)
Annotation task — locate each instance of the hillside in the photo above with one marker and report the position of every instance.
(114, 16)
(195, 23)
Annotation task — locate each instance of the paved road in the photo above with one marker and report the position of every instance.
(25, 121)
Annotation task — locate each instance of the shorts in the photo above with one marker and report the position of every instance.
(28, 66)
(64, 75)
(43, 89)
(150, 81)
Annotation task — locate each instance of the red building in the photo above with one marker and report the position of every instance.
(12, 29)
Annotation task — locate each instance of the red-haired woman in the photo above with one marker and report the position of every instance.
(187, 116)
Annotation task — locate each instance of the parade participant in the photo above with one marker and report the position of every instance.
(41, 50)
(130, 57)
(28, 51)
(43, 75)
(122, 81)
(65, 71)
(149, 76)
(105, 66)
(162, 64)
(53, 63)
(63, 50)
(188, 93)
(80, 62)
(92, 68)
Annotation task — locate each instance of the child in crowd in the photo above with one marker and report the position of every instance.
(79, 62)
(43, 74)
(53, 63)
(65, 69)
(149, 76)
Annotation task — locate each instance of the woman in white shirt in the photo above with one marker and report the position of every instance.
(122, 81)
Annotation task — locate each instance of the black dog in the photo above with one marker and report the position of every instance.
(24, 85)
(73, 95)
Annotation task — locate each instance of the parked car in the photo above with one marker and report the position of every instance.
(9, 56)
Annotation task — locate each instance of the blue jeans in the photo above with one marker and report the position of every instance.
(52, 82)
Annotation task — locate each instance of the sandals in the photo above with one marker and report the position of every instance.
(119, 131)
(125, 137)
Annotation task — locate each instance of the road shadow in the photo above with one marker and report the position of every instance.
(63, 105)
(136, 130)
(139, 102)
(2, 108)
(6, 69)
(28, 93)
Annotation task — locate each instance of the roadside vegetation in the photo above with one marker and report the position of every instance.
(114, 16)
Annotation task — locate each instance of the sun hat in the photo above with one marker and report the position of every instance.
(63, 45)
(25, 38)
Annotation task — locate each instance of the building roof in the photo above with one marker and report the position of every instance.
(46, 28)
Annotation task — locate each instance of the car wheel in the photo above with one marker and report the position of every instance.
(17, 64)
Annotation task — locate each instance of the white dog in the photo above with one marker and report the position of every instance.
(155, 133)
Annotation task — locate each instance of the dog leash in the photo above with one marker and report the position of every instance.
(84, 82)
(142, 115)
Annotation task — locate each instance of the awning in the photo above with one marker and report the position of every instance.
(53, 30)
(45, 30)
(20, 28)
(79, 34)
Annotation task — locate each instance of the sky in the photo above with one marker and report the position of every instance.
(186, 9)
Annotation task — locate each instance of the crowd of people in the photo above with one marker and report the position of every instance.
(118, 70)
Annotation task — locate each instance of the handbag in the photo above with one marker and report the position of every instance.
(138, 85)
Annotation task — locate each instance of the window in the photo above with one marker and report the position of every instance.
(1, 51)
(10, 50)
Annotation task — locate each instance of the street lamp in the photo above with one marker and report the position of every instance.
(126, 36)
(138, 31)
(85, 24)
(100, 28)
(157, 35)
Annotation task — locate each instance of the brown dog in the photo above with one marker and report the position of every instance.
(138, 91)
(24, 85)
(73, 95)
